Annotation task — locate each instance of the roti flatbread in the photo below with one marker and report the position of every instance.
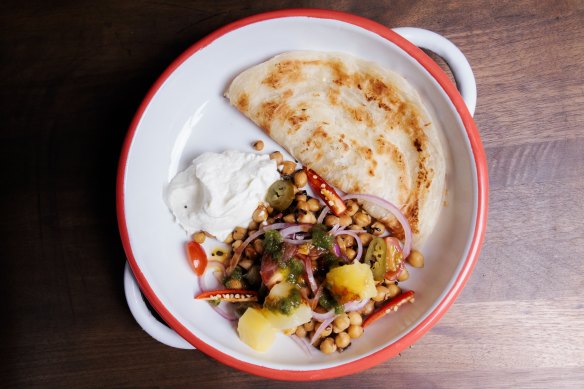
(363, 128)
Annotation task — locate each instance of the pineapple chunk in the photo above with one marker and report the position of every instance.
(351, 282)
(284, 308)
(298, 316)
(255, 330)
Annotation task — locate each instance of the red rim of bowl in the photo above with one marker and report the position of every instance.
(469, 263)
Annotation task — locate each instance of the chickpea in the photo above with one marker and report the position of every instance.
(269, 209)
(303, 205)
(246, 263)
(258, 246)
(355, 227)
(253, 226)
(326, 332)
(309, 326)
(259, 215)
(229, 239)
(404, 275)
(290, 218)
(290, 331)
(355, 318)
(392, 290)
(352, 208)
(277, 156)
(300, 178)
(366, 238)
(239, 233)
(259, 145)
(355, 331)
(328, 346)
(350, 253)
(377, 229)
(349, 240)
(199, 237)
(307, 218)
(345, 220)
(313, 205)
(301, 331)
(341, 323)
(342, 340)
(237, 243)
(331, 220)
(381, 293)
(288, 167)
(368, 308)
(416, 259)
(301, 197)
(362, 219)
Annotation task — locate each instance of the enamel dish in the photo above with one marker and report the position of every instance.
(185, 114)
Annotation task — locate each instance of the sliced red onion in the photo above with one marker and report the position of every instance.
(394, 210)
(277, 226)
(224, 312)
(237, 252)
(297, 241)
(355, 305)
(321, 328)
(323, 316)
(314, 300)
(212, 268)
(322, 215)
(310, 274)
(359, 243)
(334, 229)
(303, 343)
(295, 228)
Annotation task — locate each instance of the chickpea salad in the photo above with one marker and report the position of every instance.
(318, 269)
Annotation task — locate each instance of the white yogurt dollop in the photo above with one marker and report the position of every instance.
(219, 192)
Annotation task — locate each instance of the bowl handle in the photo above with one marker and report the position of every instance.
(465, 80)
(147, 321)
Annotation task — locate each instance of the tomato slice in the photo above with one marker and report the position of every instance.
(197, 257)
(392, 305)
(325, 192)
(394, 260)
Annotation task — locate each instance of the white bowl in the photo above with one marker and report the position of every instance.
(185, 114)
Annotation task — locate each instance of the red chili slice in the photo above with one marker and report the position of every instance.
(325, 192)
(229, 295)
(197, 257)
(392, 305)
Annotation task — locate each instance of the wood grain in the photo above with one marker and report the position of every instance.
(72, 76)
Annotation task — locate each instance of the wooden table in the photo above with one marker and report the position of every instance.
(72, 76)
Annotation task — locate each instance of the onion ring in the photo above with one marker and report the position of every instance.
(395, 211)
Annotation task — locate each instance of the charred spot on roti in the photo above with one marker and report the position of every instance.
(287, 93)
(266, 113)
(333, 96)
(242, 102)
(285, 72)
